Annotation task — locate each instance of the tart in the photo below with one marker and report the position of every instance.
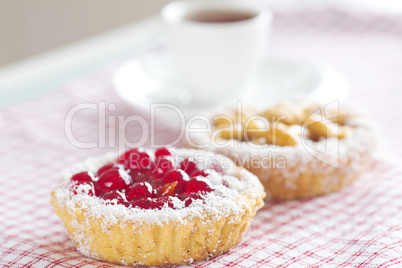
(169, 206)
(298, 149)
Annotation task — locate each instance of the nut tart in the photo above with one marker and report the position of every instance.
(169, 206)
(298, 149)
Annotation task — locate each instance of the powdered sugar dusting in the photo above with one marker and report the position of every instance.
(220, 203)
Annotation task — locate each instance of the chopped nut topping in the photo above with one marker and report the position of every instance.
(282, 124)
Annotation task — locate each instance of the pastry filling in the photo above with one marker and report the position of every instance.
(284, 124)
(138, 179)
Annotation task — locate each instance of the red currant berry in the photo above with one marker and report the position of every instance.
(124, 157)
(139, 190)
(152, 203)
(135, 159)
(161, 201)
(189, 198)
(162, 165)
(175, 175)
(189, 165)
(115, 196)
(156, 182)
(114, 179)
(140, 161)
(145, 203)
(195, 185)
(140, 175)
(162, 152)
(82, 177)
(105, 168)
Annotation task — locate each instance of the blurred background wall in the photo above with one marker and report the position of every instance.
(30, 27)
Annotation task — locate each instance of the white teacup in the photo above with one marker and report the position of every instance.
(216, 46)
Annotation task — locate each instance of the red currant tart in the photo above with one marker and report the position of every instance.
(168, 206)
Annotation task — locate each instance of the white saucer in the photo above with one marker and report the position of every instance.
(148, 80)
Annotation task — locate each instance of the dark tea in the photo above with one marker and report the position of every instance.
(216, 16)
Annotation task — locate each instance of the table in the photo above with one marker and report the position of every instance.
(358, 227)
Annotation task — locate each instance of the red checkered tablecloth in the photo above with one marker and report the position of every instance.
(358, 227)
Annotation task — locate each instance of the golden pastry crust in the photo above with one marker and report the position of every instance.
(309, 183)
(316, 150)
(132, 236)
(172, 242)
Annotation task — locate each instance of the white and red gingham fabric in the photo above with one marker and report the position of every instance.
(358, 227)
